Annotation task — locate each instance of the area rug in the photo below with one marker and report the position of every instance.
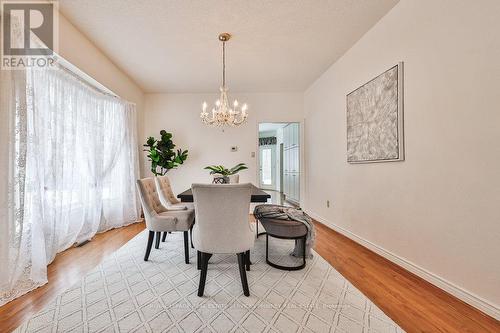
(126, 294)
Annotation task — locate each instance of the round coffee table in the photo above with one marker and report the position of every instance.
(285, 229)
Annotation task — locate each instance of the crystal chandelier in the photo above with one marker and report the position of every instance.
(223, 113)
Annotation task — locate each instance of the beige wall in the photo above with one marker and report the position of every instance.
(180, 115)
(439, 209)
(81, 52)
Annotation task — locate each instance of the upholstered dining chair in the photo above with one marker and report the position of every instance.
(222, 226)
(167, 197)
(159, 219)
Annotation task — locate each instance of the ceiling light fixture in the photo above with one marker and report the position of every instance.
(224, 114)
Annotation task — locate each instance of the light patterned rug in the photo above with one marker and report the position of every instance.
(126, 294)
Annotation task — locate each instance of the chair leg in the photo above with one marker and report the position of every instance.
(203, 275)
(243, 273)
(304, 249)
(267, 247)
(164, 238)
(191, 236)
(186, 247)
(158, 236)
(198, 260)
(247, 260)
(151, 237)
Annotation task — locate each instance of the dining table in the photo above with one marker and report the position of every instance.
(258, 195)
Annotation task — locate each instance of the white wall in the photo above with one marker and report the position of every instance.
(180, 114)
(439, 209)
(81, 52)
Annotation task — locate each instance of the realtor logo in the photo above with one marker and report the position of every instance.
(29, 33)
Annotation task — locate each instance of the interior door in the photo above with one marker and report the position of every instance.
(267, 158)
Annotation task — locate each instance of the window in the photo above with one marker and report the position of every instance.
(267, 167)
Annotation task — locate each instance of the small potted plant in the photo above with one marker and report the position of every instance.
(161, 154)
(223, 175)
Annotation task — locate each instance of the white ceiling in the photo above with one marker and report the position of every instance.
(172, 46)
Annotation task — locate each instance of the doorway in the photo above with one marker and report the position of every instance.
(279, 161)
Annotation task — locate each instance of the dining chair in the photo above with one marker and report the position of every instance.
(222, 226)
(159, 219)
(168, 199)
(167, 196)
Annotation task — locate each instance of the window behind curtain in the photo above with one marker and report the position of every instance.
(82, 159)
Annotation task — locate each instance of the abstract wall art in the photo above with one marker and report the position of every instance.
(375, 119)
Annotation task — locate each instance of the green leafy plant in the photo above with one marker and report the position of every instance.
(161, 154)
(222, 170)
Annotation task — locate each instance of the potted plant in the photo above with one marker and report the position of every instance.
(161, 154)
(223, 175)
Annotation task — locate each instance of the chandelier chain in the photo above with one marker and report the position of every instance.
(224, 64)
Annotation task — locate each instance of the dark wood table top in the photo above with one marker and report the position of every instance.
(258, 195)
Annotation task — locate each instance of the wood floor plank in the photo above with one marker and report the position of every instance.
(414, 304)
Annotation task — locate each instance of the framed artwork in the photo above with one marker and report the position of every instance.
(375, 119)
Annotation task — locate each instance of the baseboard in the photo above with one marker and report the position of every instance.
(460, 293)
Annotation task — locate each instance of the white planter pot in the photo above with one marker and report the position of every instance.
(220, 179)
(234, 179)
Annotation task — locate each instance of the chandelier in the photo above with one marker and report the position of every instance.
(224, 113)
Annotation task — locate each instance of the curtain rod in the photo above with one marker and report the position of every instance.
(80, 74)
(83, 77)
(77, 72)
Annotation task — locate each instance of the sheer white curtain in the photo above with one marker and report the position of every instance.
(22, 259)
(81, 162)
(120, 201)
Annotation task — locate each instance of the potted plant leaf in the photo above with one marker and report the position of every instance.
(161, 154)
(223, 175)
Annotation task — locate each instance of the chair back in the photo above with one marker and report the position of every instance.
(165, 193)
(222, 224)
(151, 204)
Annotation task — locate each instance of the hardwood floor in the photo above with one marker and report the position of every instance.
(417, 306)
(414, 304)
(67, 269)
